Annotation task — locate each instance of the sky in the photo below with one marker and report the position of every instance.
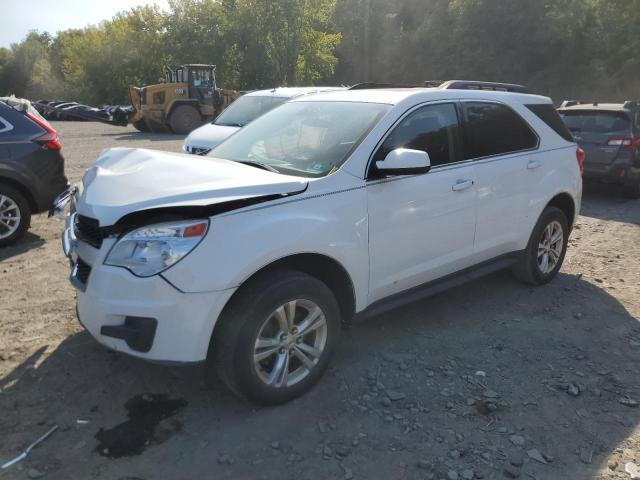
(20, 16)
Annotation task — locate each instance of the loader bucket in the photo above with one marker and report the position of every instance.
(136, 115)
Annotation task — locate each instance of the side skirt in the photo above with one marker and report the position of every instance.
(440, 285)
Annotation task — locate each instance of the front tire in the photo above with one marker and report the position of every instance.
(546, 249)
(277, 337)
(15, 215)
(141, 126)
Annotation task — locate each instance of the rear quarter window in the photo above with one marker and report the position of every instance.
(549, 115)
(495, 129)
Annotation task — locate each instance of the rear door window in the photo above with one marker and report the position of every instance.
(495, 129)
(596, 122)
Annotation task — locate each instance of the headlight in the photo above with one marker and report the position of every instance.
(150, 250)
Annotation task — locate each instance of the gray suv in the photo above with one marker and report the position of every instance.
(609, 134)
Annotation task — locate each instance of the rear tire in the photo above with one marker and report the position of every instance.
(277, 308)
(15, 215)
(184, 119)
(633, 191)
(545, 252)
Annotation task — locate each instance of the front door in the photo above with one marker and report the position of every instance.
(421, 227)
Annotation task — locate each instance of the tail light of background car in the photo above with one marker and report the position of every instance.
(49, 140)
(580, 158)
(627, 143)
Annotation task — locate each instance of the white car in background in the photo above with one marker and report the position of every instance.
(244, 110)
(326, 208)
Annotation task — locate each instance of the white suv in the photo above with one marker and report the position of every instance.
(326, 208)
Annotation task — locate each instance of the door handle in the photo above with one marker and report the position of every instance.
(533, 164)
(462, 185)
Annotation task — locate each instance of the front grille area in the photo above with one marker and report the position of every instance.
(88, 230)
(83, 271)
(199, 151)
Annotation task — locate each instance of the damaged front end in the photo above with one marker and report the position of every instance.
(144, 201)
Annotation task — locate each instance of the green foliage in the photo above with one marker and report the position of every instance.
(586, 49)
(583, 49)
(254, 43)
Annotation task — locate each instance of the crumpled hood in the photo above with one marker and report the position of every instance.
(126, 180)
(209, 136)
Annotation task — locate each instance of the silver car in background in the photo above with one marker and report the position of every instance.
(244, 110)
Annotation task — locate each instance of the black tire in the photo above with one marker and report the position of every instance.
(527, 268)
(23, 210)
(184, 119)
(155, 127)
(232, 351)
(141, 126)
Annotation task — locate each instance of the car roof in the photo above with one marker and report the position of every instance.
(394, 96)
(605, 107)
(291, 92)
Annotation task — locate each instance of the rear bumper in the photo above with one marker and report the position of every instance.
(50, 180)
(622, 172)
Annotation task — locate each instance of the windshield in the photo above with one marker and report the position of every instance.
(308, 139)
(247, 109)
(596, 122)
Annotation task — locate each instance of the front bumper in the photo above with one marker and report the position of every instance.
(143, 317)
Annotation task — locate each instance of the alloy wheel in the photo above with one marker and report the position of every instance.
(290, 343)
(550, 247)
(10, 217)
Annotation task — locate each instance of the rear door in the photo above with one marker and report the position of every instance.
(503, 148)
(596, 132)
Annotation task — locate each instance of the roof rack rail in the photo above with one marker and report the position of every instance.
(475, 85)
(631, 104)
(374, 85)
(569, 103)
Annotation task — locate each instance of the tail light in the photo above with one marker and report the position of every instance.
(626, 143)
(49, 140)
(580, 159)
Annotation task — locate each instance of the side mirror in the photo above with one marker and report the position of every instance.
(404, 161)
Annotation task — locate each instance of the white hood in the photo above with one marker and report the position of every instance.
(209, 136)
(126, 180)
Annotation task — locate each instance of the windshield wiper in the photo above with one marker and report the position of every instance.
(240, 125)
(263, 166)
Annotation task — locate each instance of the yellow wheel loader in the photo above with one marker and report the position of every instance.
(187, 98)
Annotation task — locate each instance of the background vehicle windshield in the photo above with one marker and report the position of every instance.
(303, 138)
(596, 122)
(247, 109)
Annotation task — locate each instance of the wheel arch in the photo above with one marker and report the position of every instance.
(326, 269)
(23, 189)
(564, 202)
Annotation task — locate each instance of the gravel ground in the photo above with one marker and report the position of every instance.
(489, 380)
